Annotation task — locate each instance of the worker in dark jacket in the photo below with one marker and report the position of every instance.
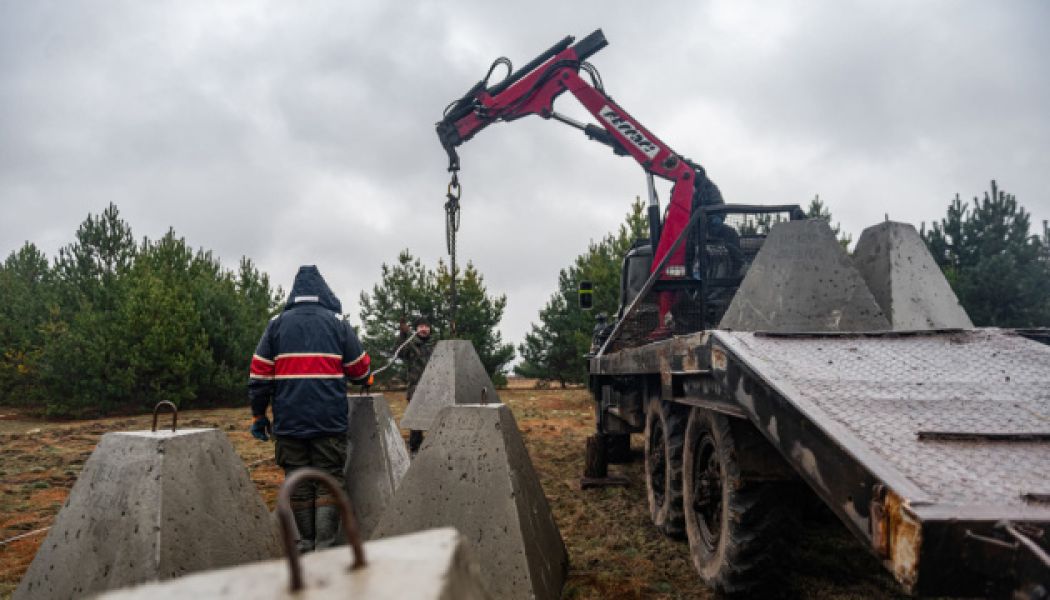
(302, 364)
(415, 355)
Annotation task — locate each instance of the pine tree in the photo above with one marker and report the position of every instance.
(168, 354)
(992, 261)
(27, 293)
(818, 210)
(85, 351)
(91, 267)
(554, 349)
(477, 317)
(408, 289)
(256, 303)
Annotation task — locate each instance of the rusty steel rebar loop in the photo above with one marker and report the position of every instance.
(287, 522)
(174, 415)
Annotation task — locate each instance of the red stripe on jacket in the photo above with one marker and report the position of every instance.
(359, 367)
(261, 368)
(316, 365)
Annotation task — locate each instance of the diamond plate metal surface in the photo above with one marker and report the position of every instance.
(885, 389)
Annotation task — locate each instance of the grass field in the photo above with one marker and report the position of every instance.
(613, 550)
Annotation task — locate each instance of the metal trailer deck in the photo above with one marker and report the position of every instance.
(934, 447)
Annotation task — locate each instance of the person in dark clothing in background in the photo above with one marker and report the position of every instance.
(302, 365)
(415, 355)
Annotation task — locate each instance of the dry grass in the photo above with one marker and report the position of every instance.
(613, 550)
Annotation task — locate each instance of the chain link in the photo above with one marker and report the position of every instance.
(451, 227)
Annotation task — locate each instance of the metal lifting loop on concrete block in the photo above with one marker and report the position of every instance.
(174, 414)
(484, 396)
(287, 521)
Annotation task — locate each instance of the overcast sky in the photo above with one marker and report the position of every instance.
(302, 132)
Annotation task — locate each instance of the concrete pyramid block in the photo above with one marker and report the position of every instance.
(432, 565)
(473, 473)
(148, 506)
(905, 280)
(376, 459)
(454, 375)
(803, 280)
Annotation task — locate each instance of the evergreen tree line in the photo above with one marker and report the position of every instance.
(999, 270)
(114, 325)
(111, 325)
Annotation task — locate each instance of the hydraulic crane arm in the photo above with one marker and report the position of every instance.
(533, 89)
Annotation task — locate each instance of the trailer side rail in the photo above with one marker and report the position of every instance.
(922, 443)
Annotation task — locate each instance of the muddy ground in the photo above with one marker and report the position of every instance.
(614, 552)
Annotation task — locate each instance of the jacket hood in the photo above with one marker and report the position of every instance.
(311, 288)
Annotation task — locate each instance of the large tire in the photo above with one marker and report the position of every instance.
(664, 437)
(735, 528)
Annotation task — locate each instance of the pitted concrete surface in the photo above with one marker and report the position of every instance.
(473, 473)
(905, 280)
(376, 459)
(431, 565)
(151, 506)
(454, 375)
(803, 280)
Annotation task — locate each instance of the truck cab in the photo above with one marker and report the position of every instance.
(720, 249)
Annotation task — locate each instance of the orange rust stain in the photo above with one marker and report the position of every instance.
(905, 540)
(718, 359)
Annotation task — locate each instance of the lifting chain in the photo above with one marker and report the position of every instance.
(451, 227)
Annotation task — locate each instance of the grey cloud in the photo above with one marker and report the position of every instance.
(303, 133)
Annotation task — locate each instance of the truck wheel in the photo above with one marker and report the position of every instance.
(734, 526)
(664, 433)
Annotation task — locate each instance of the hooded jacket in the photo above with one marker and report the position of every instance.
(303, 361)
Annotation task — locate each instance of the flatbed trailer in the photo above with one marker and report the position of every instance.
(932, 447)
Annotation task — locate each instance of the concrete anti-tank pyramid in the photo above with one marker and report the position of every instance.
(376, 459)
(803, 280)
(432, 565)
(905, 280)
(148, 506)
(473, 473)
(454, 375)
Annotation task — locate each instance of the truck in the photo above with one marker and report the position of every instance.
(755, 355)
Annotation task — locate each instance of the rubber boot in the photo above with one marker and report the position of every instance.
(304, 522)
(326, 523)
(415, 440)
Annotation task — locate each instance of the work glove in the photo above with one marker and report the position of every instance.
(403, 326)
(261, 428)
(365, 382)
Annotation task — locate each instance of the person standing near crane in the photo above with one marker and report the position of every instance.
(302, 364)
(415, 353)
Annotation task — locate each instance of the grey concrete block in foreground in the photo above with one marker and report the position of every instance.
(473, 473)
(454, 375)
(803, 280)
(148, 506)
(905, 280)
(432, 565)
(376, 459)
